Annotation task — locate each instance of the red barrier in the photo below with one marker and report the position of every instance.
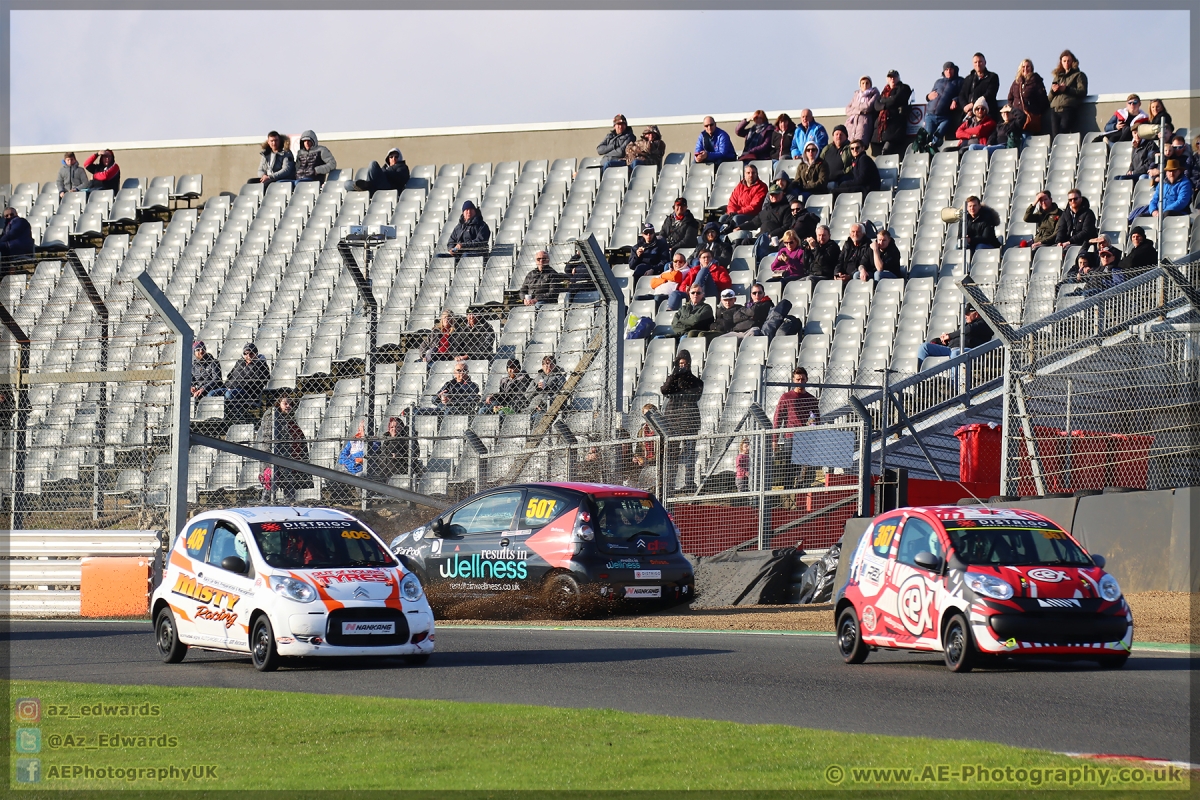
(979, 446)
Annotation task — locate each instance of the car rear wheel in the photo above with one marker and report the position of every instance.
(1113, 662)
(960, 652)
(849, 638)
(166, 635)
(262, 646)
(562, 594)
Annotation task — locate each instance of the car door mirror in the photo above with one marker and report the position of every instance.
(234, 564)
(1099, 560)
(928, 561)
(438, 528)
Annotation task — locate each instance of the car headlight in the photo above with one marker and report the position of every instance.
(989, 586)
(293, 589)
(410, 588)
(1109, 588)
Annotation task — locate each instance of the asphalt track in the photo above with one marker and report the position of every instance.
(1142, 710)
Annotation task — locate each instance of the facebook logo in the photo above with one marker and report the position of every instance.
(29, 770)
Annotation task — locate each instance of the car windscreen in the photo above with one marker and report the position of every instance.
(1013, 543)
(305, 544)
(633, 525)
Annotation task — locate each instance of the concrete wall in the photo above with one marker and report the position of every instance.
(227, 163)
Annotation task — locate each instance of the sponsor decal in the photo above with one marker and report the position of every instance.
(272, 526)
(869, 618)
(478, 565)
(355, 535)
(653, 546)
(326, 577)
(1059, 603)
(643, 591)
(411, 552)
(540, 510)
(368, 628)
(285, 640)
(437, 546)
(487, 587)
(623, 563)
(215, 604)
(914, 600)
(647, 574)
(1046, 575)
(195, 538)
(659, 562)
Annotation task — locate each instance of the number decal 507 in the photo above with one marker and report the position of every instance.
(540, 509)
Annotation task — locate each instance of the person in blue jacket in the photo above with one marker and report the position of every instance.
(17, 239)
(713, 146)
(354, 453)
(1176, 191)
(808, 130)
(941, 110)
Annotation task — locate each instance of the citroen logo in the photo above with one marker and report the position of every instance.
(361, 594)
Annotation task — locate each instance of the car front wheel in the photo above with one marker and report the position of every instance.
(849, 637)
(960, 652)
(262, 646)
(166, 635)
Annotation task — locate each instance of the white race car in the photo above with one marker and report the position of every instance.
(286, 581)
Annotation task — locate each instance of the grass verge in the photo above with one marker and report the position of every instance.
(259, 739)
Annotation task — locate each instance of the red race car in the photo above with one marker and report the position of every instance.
(979, 585)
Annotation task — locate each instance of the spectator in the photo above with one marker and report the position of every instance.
(757, 133)
(802, 221)
(789, 264)
(551, 378)
(941, 108)
(682, 390)
(781, 137)
(813, 173)
(353, 457)
(980, 83)
(1045, 213)
(314, 162)
(399, 452)
(459, 395)
(836, 154)
(650, 255)
(71, 176)
(1086, 271)
(711, 241)
(1120, 125)
(860, 111)
(245, 383)
(1161, 117)
(713, 145)
(723, 317)
(643, 452)
(977, 126)
(1078, 223)
(891, 127)
(444, 342)
(981, 222)
(1143, 159)
(1068, 88)
(649, 149)
(287, 440)
(751, 318)
(855, 252)
(542, 284)
(746, 200)
(771, 222)
(680, 228)
(667, 282)
(612, 149)
(791, 189)
(862, 175)
(1027, 94)
(17, 239)
(821, 255)
(1010, 133)
(106, 173)
(951, 343)
(392, 175)
(710, 276)
(1176, 194)
(476, 340)
(741, 467)
(695, 316)
(513, 394)
(1190, 159)
(808, 130)
(471, 234)
(1108, 265)
(882, 260)
(206, 371)
(796, 409)
(1142, 256)
(275, 162)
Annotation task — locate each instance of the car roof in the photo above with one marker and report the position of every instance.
(260, 514)
(945, 513)
(600, 489)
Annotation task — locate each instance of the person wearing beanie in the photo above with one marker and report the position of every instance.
(471, 234)
(1086, 271)
(682, 391)
(513, 394)
(392, 175)
(17, 237)
(275, 162)
(71, 176)
(711, 241)
(774, 218)
(680, 228)
(314, 162)
(245, 383)
(1142, 255)
(612, 149)
(106, 174)
(836, 154)
(206, 371)
(942, 111)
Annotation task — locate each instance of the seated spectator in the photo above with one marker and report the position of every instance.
(17, 239)
(1078, 223)
(708, 274)
(397, 452)
(860, 113)
(952, 343)
(1176, 194)
(1161, 117)
(1027, 94)
(980, 84)
(1142, 256)
(392, 175)
(791, 189)
(206, 371)
(751, 318)
(981, 222)
(649, 149)
(723, 317)
(808, 130)
(977, 126)
(245, 383)
(354, 453)
(551, 378)
(884, 260)
(862, 175)
(711, 241)
(471, 235)
(680, 228)
(891, 126)
(443, 343)
(314, 162)
(942, 104)
(1045, 213)
(757, 133)
(650, 255)
(612, 149)
(1068, 89)
(855, 252)
(666, 282)
(813, 173)
(781, 137)
(837, 155)
(513, 394)
(288, 440)
(1086, 271)
(1120, 125)
(1190, 159)
(713, 145)
(802, 221)
(774, 218)
(821, 255)
(1143, 159)
(71, 176)
(1109, 258)
(459, 395)
(1009, 134)
(695, 316)
(745, 201)
(275, 162)
(543, 284)
(476, 340)
(106, 173)
(789, 264)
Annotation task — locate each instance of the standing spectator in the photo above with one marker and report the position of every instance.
(288, 440)
(821, 254)
(1068, 88)
(981, 222)
(245, 383)
(693, 317)
(808, 130)
(862, 175)
(724, 316)
(882, 259)
(643, 456)
(17, 239)
(1143, 159)
(106, 173)
(757, 133)
(71, 176)
(650, 255)
(471, 235)
(713, 145)
(1176, 193)
(712, 243)
(774, 218)
(1045, 213)
(891, 127)
(856, 251)
(459, 395)
(836, 154)
(612, 149)
(796, 409)
(1028, 95)
(952, 343)
(543, 284)
(860, 111)
(802, 221)
(399, 452)
(1160, 116)
(354, 453)
(392, 175)
(789, 263)
(444, 342)
(813, 173)
(1077, 224)
(980, 83)
(781, 137)
(1142, 255)
(649, 149)
(275, 161)
(977, 126)
(942, 106)
(682, 390)
(746, 200)
(741, 467)
(206, 371)
(314, 162)
(1120, 125)
(680, 228)
(513, 394)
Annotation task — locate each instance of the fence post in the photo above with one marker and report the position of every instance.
(864, 458)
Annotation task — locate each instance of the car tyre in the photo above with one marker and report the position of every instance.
(1113, 662)
(562, 594)
(262, 646)
(959, 652)
(416, 660)
(166, 635)
(849, 637)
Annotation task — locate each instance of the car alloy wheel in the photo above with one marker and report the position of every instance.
(262, 646)
(849, 637)
(960, 651)
(167, 637)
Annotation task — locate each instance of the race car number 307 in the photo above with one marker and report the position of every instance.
(362, 628)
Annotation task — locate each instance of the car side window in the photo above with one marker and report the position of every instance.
(885, 531)
(917, 536)
(492, 513)
(227, 541)
(542, 507)
(196, 538)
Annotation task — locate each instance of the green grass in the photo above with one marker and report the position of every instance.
(278, 740)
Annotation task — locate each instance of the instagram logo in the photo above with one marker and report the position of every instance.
(29, 709)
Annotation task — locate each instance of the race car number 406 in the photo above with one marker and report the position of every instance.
(360, 628)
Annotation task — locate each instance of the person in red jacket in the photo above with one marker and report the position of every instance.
(745, 202)
(977, 126)
(713, 276)
(106, 174)
(796, 409)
